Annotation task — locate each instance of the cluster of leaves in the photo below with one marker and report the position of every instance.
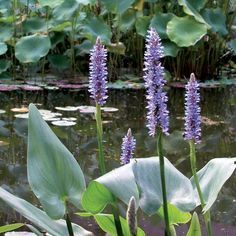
(57, 180)
(195, 34)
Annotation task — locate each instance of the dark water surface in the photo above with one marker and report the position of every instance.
(219, 140)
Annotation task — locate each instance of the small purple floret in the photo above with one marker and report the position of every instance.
(98, 73)
(158, 114)
(192, 111)
(127, 148)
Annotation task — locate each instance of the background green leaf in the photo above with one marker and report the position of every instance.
(117, 6)
(142, 25)
(10, 227)
(53, 173)
(195, 228)
(3, 48)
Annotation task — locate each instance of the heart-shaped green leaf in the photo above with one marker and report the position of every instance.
(40, 218)
(212, 177)
(3, 48)
(185, 31)
(141, 179)
(53, 173)
(216, 19)
(159, 22)
(195, 228)
(142, 25)
(117, 6)
(32, 48)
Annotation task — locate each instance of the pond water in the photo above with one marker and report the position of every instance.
(219, 140)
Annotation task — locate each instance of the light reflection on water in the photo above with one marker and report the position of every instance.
(219, 137)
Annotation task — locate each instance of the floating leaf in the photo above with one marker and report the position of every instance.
(185, 31)
(87, 109)
(22, 116)
(53, 173)
(142, 25)
(30, 88)
(159, 22)
(2, 111)
(212, 177)
(3, 48)
(32, 48)
(69, 118)
(67, 108)
(195, 228)
(216, 19)
(117, 6)
(63, 123)
(22, 233)
(109, 109)
(38, 217)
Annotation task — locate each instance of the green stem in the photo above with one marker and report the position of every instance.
(116, 216)
(101, 159)
(206, 215)
(163, 183)
(69, 225)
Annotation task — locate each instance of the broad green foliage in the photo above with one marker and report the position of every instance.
(4, 65)
(10, 227)
(212, 177)
(32, 48)
(195, 228)
(34, 25)
(51, 3)
(38, 217)
(126, 20)
(117, 6)
(3, 48)
(185, 31)
(54, 175)
(142, 25)
(6, 31)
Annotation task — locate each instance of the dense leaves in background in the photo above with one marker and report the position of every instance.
(49, 34)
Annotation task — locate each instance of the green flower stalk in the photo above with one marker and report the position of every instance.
(157, 112)
(193, 135)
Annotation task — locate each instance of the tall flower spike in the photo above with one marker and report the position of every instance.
(98, 73)
(127, 148)
(158, 114)
(192, 111)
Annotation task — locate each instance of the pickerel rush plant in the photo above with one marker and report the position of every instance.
(193, 135)
(157, 114)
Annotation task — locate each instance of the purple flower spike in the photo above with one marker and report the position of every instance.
(98, 73)
(158, 114)
(192, 111)
(128, 147)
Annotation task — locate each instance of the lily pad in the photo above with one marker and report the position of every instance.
(51, 118)
(185, 31)
(44, 112)
(63, 123)
(87, 109)
(67, 108)
(6, 32)
(36, 46)
(69, 118)
(22, 116)
(117, 6)
(22, 233)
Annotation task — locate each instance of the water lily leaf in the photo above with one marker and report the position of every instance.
(38, 217)
(190, 10)
(63, 123)
(195, 228)
(198, 5)
(53, 173)
(142, 25)
(117, 6)
(159, 22)
(185, 31)
(141, 179)
(170, 48)
(34, 25)
(212, 177)
(175, 215)
(67, 108)
(3, 48)
(6, 32)
(94, 27)
(4, 65)
(107, 224)
(36, 46)
(126, 20)
(216, 19)
(52, 4)
(10, 227)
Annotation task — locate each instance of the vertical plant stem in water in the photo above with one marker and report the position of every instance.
(69, 225)
(163, 183)
(207, 215)
(101, 160)
(116, 216)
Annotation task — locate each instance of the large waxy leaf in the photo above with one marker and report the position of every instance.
(170, 49)
(212, 177)
(10, 227)
(159, 22)
(107, 224)
(185, 31)
(6, 32)
(3, 48)
(35, 25)
(4, 65)
(51, 3)
(216, 19)
(141, 179)
(195, 228)
(117, 6)
(94, 27)
(32, 48)
(53, 173)
(189, 9)
(198, 5)
(38, 217)
(142, 25)
(126, 20)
